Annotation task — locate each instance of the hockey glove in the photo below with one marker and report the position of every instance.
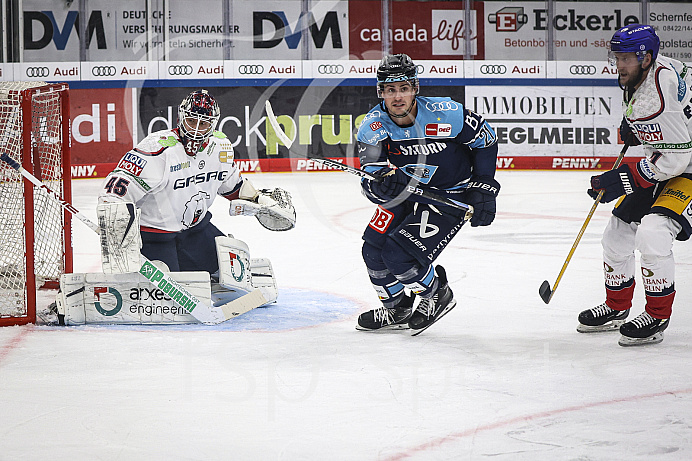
(481, 193)
(392, 183)
(618, 182)
(627, 135)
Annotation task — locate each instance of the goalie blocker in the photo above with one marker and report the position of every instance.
(124, 298)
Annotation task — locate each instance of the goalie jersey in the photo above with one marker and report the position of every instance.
(172, 189)
(660, 114)
(443, 149)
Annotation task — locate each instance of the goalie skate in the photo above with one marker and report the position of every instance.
(642, 330)
(600, 319)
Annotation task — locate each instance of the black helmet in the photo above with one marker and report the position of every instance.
(396, 68)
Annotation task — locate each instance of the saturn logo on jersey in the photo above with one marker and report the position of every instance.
(649, 132)
(438, 129)
(132, 163)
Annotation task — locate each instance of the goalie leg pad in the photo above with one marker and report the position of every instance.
(239, 275)
(127, 298)
(120, 238)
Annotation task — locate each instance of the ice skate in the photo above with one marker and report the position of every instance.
(601, 318)
(384, 318)
(642, 330)
(430, 310)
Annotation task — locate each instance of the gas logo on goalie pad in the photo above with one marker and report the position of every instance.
(381, 220)
(107, 301)
(237, 261)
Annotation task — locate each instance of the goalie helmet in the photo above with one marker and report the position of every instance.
(396, 68)
(198, 115)
(634, 38)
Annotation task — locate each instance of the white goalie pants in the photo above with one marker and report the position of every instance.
(653, 238)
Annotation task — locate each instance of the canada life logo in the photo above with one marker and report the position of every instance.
(438, 129)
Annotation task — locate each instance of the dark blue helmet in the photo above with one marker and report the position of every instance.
(635, 38)
(396, 68)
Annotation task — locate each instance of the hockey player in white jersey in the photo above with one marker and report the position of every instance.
(167, 183)
(654, 207)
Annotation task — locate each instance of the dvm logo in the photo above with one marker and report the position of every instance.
(283, 31)
(52, 31)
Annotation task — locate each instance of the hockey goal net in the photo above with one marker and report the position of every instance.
(35, 233)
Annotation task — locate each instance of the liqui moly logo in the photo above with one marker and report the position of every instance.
(132, 164)
(438, 129)
(649, 132)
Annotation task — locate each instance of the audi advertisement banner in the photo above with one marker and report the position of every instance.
(102, 125)
(423, 30)
(582, 30)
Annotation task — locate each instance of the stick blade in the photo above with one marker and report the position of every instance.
(545, 292)
(285, 140)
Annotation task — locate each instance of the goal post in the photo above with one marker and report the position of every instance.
(35, 233)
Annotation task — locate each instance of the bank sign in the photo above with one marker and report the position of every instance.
(261, 29)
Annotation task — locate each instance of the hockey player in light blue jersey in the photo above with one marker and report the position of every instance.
(431, 143)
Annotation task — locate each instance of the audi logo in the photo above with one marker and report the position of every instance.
(419, 68)
(179, 70)
(330, 69)
(582, 70)
(103, 71)
(441, 105)
(493, 69)
(251, 69)
(37, 72)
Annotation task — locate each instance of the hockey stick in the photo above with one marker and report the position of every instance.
(180, 295)
(545, 291)
(468, 209)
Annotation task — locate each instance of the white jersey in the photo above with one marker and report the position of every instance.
(660, 114)
(173, 190)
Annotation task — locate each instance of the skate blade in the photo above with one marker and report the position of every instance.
(447, 309)
(613, 325)
(626, 341)
(397, 327)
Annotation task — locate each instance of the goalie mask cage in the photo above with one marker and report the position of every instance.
(35, 233)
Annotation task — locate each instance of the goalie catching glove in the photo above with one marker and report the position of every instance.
(272, 207)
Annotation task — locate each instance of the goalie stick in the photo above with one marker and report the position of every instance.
(545, 292)
(180, 295)
(468, 209)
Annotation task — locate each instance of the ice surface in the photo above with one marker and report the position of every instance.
(503, 376)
